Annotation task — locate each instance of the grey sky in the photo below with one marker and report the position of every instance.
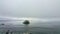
(30, 8)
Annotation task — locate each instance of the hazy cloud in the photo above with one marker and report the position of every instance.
(30, 8)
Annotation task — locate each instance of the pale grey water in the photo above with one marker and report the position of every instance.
(33, 30)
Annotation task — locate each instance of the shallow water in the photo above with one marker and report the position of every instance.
(41, 28)
(33, 30)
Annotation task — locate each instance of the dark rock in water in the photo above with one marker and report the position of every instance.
(7, 32)
(26, 22)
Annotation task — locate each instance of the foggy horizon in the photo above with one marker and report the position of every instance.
(43, 16)
(30, 8)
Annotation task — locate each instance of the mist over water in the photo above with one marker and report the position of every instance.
(34, 28)
(45, 14)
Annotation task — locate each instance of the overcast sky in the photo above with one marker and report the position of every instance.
(30, 8)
